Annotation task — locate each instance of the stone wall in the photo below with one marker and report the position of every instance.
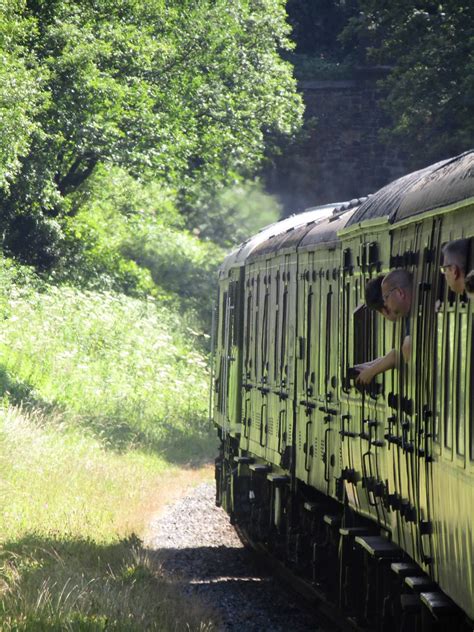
(342, 156)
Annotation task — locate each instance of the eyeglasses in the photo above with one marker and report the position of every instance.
(387, 294)
(443, 269)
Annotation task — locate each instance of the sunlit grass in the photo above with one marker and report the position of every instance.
(124, 368)
(102, 397)
(69, 556)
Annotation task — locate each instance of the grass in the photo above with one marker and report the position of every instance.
(125, 369)
(103, 418)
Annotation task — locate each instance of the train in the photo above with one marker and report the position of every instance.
(365, 492)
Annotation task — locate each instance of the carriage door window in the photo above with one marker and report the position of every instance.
(347, 270)
(461, 383)
(284, 335)
(309, 331)
(449, 350)
(222, 386)
(264, 344)
(471, 390)
(248, 320)
(328, 334)
(257, 326)
(277, 342)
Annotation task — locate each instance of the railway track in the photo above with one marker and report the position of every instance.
(314, 597)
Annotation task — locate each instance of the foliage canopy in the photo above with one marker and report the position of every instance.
(184, 92)
(428, 49)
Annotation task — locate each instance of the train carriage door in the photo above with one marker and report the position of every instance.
(327, 460)
(316, 362)
(333, 404)
(366, 468)
(283, 360)
(451, 473)
(271, 343)
(305, 376)
(255, 307)
(405, 254)
(347, 431)
(426, 286)
(234, 350)
(247, 368)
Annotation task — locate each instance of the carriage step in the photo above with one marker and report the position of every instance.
(278, 479)
(353, 531)
(259, 468)
(420, 583)
(438, 603)
(379, 547)
(243, 460)
(404, 569)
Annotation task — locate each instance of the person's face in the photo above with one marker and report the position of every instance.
(385, 312)
(395, 302)
(453, 275)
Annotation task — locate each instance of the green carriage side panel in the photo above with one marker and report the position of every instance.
(432, 397)
(317, 442)
(450, 487)
(365, 335)
(266, 421)
(228, 352)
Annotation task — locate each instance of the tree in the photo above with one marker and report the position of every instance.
(428, 47)
(183, 91)
(20, 94)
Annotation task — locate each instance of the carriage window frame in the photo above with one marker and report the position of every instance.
(346, 315)
(470, 410)
(284, 339)
(248, 345)
(448, 374)
(276, 338)
(460, 386)
(264, 340)
(364, 334)
(327, 333)
(438, 373)
(256, 328)
(224, 318)
(309, 333)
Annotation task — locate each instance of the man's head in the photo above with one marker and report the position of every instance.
(397, 293)
(454, 264)
(373, 297)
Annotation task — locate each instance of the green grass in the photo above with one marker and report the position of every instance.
(123, 368)
(103, 403)
(69, 556)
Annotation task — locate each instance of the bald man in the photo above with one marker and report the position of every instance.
(394, 303)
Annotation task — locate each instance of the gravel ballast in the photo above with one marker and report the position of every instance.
(199, 549)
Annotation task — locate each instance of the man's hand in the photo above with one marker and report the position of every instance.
(366, 374)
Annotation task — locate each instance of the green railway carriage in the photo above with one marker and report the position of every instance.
(367, 492)
(237, 373)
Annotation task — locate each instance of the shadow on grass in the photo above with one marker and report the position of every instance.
(193, 445)
(21, 393)
(76, 584)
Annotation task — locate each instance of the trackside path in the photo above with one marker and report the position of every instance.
(199, 549)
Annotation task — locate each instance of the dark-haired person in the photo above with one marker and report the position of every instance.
(455, 263)
(374, 299)
(469, 284)
(394, 302)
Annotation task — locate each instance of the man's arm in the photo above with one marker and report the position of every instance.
(369, 370)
